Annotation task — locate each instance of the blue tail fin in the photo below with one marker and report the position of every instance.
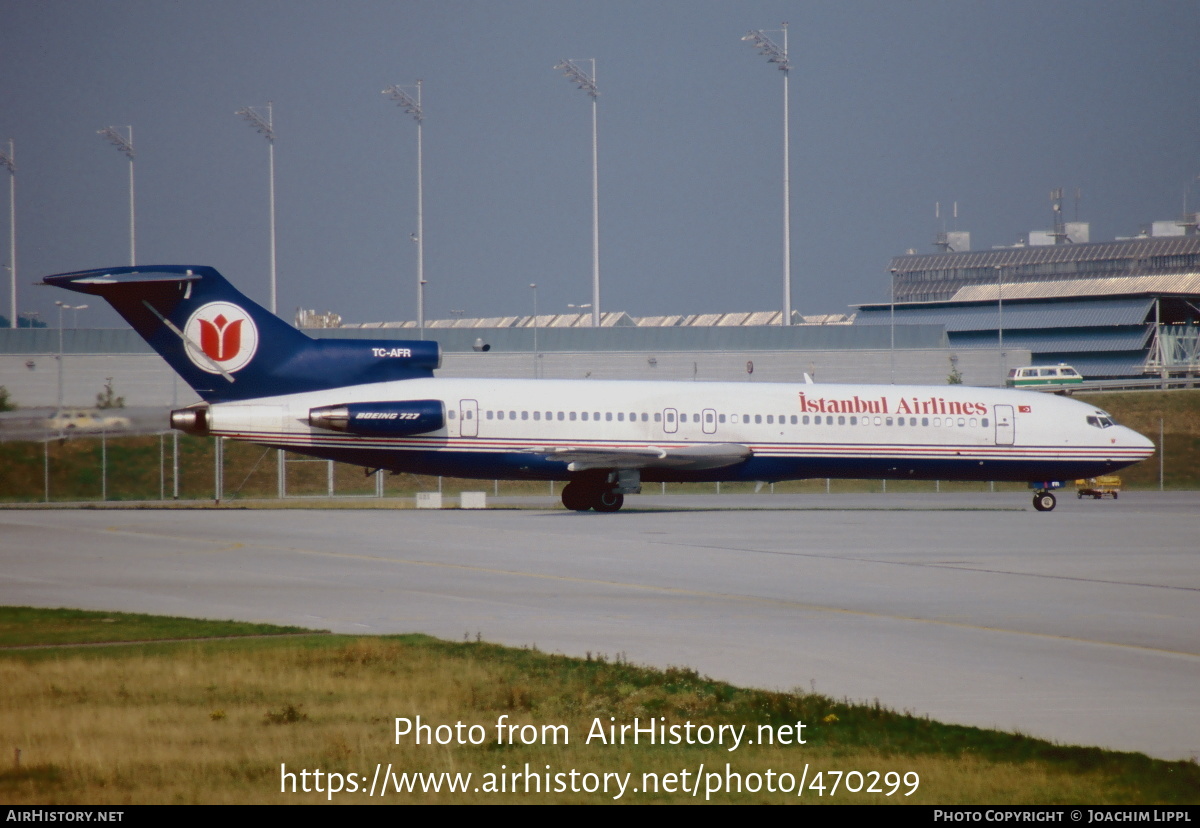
(229, 348)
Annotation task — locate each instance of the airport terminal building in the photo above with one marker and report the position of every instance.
(1120, 309)
(1125, 308)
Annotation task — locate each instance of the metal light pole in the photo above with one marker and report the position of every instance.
(413, 108)
(587, 83)
(8, 161)
(267, 127)
(62, 306)
(1000, 321)
(533, 287)
(892, 323)
(779, 56)
(126, 147)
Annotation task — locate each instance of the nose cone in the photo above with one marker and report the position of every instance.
(1144, 446)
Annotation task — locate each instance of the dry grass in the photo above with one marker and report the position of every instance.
(212, 722)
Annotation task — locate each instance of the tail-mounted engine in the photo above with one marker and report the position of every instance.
(191, 420)
(392, 419)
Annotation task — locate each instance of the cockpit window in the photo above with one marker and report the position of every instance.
(1101, 420)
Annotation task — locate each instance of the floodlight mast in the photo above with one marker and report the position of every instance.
(412, 107)
(125, 145)
(8, 161)
(267, 127)
(779, 56)
(587, 83)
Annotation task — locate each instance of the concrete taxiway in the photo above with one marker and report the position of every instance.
(1081, 625)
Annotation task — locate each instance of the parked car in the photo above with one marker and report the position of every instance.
(86, 419)
(1034, 375)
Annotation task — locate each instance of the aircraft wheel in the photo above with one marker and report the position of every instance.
(1081, 495)
(576, 498)
(1044, 502)
(1116, 495)
(609, 502)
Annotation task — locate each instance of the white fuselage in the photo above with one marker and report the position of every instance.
(513, 428)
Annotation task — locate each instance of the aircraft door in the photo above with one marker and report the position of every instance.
(670, 420)
(1005, 425)
(709, 422)
(468, 418)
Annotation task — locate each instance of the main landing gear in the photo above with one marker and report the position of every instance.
(1044, 501)
(604, 492)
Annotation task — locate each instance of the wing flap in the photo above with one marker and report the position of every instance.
(693, 456)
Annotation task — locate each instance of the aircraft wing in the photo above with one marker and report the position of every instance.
(693, 456)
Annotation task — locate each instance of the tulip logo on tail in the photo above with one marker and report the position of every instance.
(220, 334)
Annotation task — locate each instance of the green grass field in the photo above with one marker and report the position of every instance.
(222, 720)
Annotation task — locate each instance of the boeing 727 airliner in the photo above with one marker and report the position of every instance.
(376, 404)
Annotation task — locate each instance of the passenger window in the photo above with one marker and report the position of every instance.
(451, 413)
(560, 416)
(537, 415)
(657, 417)
(524, 415)
(924, 421)
(878, 421)
(804, 420)
(770, 419)
(984, 422)
(758, 418)
(794, 419)
(961, 422)
(490, 415)
(585, 416)
(512, 415)
(854, 421)
(841, 420)
(620, 416)
(721, 418)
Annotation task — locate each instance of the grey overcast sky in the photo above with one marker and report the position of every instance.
(894, 106)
